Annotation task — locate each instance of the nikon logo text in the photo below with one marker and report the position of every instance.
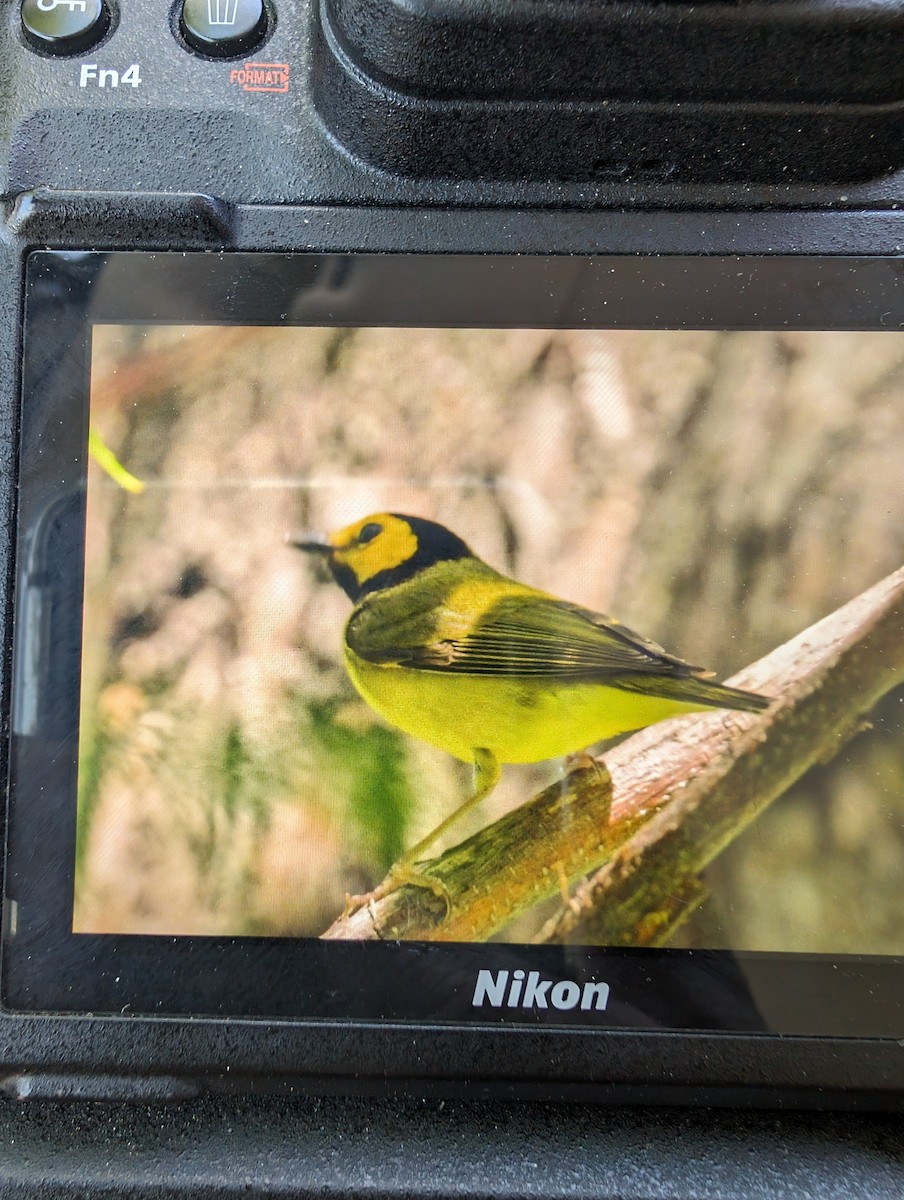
(528, 990)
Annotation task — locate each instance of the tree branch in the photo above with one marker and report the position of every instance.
(683, 790)
(828, 679)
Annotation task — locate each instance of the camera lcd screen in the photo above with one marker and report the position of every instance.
(372, 623)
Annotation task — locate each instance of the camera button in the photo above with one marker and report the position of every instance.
(223, 28)
(64, 26)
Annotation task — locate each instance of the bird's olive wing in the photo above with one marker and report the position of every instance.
(526, 635)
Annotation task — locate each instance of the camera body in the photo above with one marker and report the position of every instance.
(636, 132)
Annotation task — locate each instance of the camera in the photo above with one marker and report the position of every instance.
(509, 316)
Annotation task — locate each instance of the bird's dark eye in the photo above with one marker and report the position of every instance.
(369, 532)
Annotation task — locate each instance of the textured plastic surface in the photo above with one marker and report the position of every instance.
(43, 1055)
(798, 51)
(92, 167)
(336, 1148)
(746, 92)
(178, 129)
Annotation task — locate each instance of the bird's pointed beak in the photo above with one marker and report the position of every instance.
(311, 543)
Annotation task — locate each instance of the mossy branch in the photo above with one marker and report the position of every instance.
(681, 791)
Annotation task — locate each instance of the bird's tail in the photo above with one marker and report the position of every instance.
(691, 689)
(721, 695)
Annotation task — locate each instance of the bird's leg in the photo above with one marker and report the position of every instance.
(405, 870)
(486, 776)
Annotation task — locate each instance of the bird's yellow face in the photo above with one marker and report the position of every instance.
(382, 550)
(378, 543)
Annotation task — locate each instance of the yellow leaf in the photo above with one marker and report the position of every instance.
(107, 461)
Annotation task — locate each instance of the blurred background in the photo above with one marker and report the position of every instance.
(717, 491)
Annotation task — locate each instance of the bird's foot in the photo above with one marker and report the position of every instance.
(401, 874)
(355, 902)
(404, 873)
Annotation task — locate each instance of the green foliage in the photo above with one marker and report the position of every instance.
(372, 760)
(107, 461)
(92, 751)
(235, 762)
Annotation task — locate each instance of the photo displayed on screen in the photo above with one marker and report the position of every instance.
(342, 583)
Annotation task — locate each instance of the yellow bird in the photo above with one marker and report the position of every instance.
(489, 669)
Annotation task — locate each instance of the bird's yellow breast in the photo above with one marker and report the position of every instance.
(519, 720)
